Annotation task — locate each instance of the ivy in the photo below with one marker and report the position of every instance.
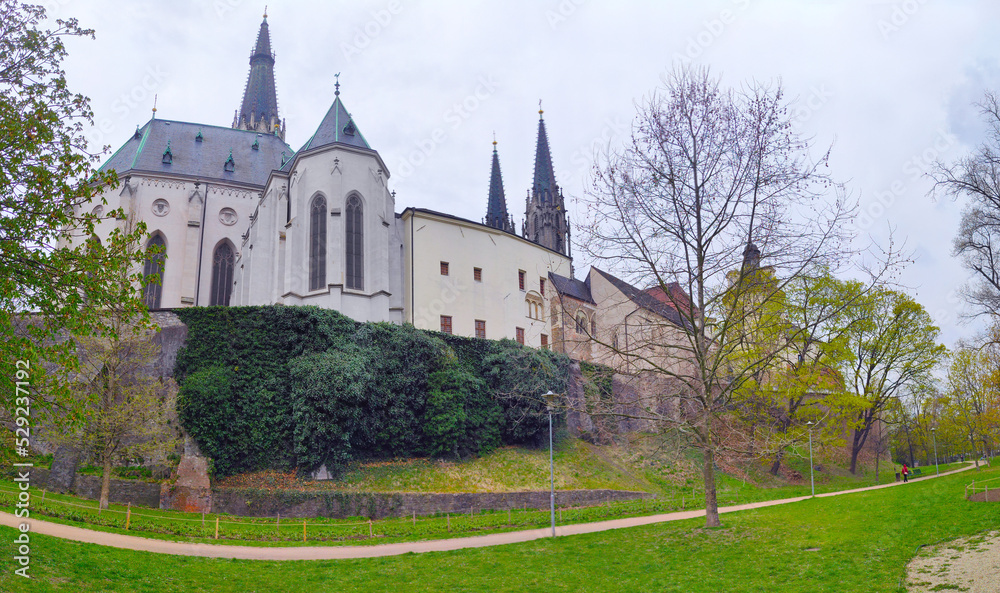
(301, 387)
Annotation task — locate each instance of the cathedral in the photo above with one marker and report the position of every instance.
(242, 218)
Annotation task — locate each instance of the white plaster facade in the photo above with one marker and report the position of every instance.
(497, 298)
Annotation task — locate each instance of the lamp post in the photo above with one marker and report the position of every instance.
(937, 470)
(550, 399)
(812, 482)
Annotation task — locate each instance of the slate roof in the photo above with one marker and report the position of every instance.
(643, 299)
(337, 127)
(577, 289)
(204, 159)
(259, 97)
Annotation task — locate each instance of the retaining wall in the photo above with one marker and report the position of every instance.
(257, 503)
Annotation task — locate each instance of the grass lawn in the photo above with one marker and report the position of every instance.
(851, 543)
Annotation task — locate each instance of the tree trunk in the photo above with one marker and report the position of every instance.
(711, 501)
(777, 461)
(855, 450)
(106, 482)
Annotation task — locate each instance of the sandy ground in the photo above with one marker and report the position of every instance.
(971, 564)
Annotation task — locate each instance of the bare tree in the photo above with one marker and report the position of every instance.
(713, 187)
(977, 177)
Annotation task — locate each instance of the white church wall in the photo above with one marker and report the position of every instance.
(335, 173)
(496, 299)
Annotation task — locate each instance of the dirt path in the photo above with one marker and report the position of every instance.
(970, 564)
(131, 542)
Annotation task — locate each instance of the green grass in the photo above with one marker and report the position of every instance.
(862, 542)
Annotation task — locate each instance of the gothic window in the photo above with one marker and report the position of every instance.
(288, 209)
(222, 274)
(355, 256)
(152, 292)
(541, 286)
(581, 322)
(317, 243)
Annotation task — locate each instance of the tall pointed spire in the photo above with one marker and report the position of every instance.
(544, 185)
(259, 109)
(496, 210)
(545, 211)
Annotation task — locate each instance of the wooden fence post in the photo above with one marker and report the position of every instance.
(448, 517)
(277, 525)
(128, 515)
(203, 519)
(303, 530)
(508, 516)
(414, 518)
(216, 527)
(371, 533)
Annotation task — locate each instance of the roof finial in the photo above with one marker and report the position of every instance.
(540, 112)
(337, 85)
(494, 139)
(265, 11)
(154, 106)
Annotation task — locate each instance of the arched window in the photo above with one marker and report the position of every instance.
(355, 244)
(222, 274)
(317, 243)
(152, 292)
(581, 322)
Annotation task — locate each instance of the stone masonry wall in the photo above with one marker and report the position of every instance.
(254, 503)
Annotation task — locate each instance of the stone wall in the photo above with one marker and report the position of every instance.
(135, 492)
(257, 503)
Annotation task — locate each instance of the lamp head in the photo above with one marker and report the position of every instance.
(550, 399)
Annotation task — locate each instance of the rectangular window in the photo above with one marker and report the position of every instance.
(480, 328)
(477, 274)
(545, 341)
(520, 335)
(446, 324)
(444, 268)
(541, 286)
(520, 279)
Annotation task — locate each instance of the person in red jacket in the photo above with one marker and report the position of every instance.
(905, 472)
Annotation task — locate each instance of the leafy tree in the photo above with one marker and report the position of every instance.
(460, 416)
(972, 405)
(54, 282)
(893, 347)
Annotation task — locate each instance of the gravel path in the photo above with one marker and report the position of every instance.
(970, 564)
(131, 542)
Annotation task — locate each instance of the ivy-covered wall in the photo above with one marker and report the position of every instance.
(300, 387)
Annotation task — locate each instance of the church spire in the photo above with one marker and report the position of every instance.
(544, 185)
(496, 210)
(259, 109)
(545, 212)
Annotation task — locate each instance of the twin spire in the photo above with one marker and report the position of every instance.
(259, 109)
(544, 212)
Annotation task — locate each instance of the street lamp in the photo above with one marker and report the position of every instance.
(550, 400)
(937, 470)
(812, 482)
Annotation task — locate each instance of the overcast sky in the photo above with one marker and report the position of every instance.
(890, 84)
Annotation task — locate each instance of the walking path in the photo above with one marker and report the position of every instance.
(131, 542)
